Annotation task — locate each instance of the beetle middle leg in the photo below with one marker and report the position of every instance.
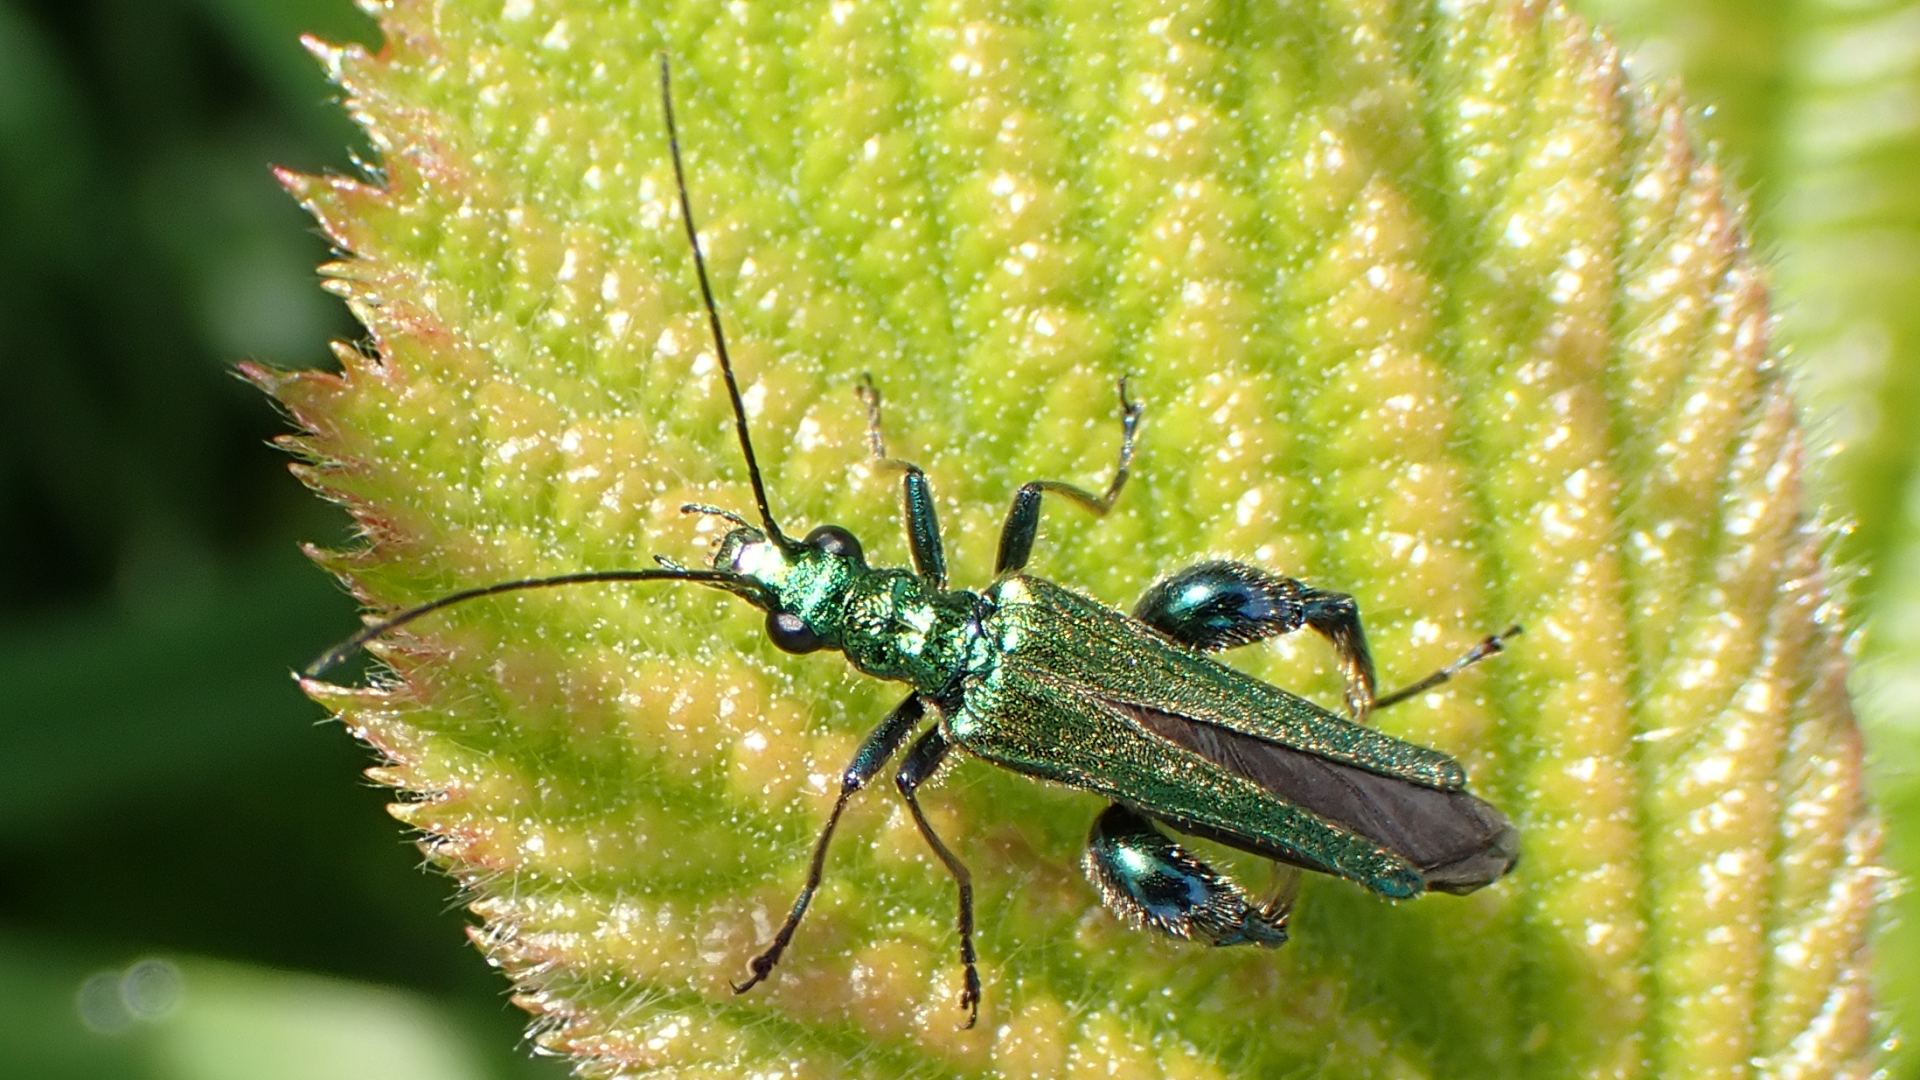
(1023, 518)
(922, 762)
(1149, 881)
(873, 754)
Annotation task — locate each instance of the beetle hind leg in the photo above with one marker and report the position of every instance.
(1149, 881)
(1488, 646)
(1221, 605)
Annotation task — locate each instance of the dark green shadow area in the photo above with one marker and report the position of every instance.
(166, 790)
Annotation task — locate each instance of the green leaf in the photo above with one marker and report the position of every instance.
(1427, 304)
(1812, 100)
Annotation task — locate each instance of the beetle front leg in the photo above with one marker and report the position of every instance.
(922, 762)
(1149, 881)
(923, 525)
(1023, 519)
(867, 762)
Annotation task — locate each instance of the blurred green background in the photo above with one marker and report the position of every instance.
(172, 814)
(165, 791)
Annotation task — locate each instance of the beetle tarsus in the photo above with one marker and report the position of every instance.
(1488, 646)
(872, 755)
(970, 997)
(1023, 517)
(922, 762)
(762, 966)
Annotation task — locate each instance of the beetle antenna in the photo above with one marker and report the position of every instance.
(713, 312)
(733, 583)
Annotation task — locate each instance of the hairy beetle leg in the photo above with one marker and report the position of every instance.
(1023, 518)
(1221, 605)
(921, 764)
(1147, 880)
(916, 495)
(867, 762)
(1488, 646)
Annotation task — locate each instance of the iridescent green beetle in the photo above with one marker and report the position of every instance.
(1039, 679)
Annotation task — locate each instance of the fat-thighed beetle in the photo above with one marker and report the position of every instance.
(1034, 677)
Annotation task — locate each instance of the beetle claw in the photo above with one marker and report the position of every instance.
(970, 998)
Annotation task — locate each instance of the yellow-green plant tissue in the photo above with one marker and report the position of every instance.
(1428, 303)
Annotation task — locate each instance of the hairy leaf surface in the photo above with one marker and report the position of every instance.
(1426, 303)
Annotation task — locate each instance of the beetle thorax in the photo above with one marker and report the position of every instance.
(894, 626)
(890, 623)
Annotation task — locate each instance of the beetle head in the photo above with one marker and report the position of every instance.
(801, 585)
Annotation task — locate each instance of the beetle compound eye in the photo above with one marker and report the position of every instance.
(835, 540)
(790, 633)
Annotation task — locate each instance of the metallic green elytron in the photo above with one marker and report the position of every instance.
(1039, 679)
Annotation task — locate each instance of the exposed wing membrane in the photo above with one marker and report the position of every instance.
(1458, 842)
